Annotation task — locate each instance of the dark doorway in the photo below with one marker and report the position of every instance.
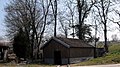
(1, 54)
(57, 57)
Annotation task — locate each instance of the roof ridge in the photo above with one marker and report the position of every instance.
(62, 42)
(68, 41)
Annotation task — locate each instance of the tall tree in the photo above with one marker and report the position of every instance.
(71, 13)
(54, 9)
(66, 17)
(84, 7)
(64, 25)
(31, 16)
(103, 10)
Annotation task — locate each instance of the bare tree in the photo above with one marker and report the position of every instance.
(64, 25)
(71, 8)
(103, 10)
(66, 18)
(54, 9)
(84, 7)
(29, 15)
(116, 22)
(45, 7)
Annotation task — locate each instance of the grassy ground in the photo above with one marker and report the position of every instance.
(112, 57)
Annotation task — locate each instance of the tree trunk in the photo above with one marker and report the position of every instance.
(55, 16)
(80, 20)
(105, 37)
(80, 23)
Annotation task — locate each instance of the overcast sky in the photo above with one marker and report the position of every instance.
(2, 14)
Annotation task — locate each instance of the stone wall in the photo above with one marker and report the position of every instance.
(77, 60)
(65, 60)
(49, 60)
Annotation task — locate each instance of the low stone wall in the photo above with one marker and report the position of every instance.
(76, 60)
(65, 60)
(49, 60)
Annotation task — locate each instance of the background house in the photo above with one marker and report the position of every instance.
(66, 50)
(4, 48)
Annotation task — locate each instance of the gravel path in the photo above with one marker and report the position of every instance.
(109, 65)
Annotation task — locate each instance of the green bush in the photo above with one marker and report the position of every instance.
(114, 49)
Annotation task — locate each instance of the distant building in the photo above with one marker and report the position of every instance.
(4, 48)
(66, 50)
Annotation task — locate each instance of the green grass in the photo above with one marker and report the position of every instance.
(112, 57)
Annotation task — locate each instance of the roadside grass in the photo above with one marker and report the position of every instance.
(112, 57)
